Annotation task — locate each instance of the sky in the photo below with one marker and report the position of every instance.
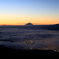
(20, 12)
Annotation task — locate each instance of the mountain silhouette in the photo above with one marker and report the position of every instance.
(29, 24)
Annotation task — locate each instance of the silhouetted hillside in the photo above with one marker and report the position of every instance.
(4, 49)
(52, 27)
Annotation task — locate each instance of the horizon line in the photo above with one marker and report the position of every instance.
(23, 24)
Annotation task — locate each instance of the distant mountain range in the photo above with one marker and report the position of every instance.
(49, 27)
(31, 26)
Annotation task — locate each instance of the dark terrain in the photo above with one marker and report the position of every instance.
(52, 27)
(4, 49)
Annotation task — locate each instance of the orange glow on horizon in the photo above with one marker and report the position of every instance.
(11, 19)
(32, 23)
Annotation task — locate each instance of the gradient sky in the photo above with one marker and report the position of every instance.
(20, 12)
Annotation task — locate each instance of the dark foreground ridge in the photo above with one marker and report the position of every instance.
(10, 50)
(35, 53)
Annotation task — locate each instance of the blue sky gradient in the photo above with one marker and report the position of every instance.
(30, 8)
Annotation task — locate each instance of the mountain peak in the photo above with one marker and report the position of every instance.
(29, 24)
